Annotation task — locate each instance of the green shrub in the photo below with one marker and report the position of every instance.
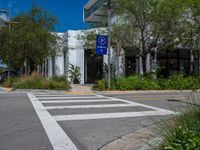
(135, 83)
(182, 139)
(179, 82)
(36, 81)
(101, 85)
(59, 79)
(9, 82)
(147, 82)
(184, 134)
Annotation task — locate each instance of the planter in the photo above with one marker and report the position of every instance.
(76, 81)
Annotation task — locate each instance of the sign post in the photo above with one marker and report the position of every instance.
(101, 44)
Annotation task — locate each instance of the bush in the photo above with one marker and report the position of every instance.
(130, 83)
(59, 79)
(147, 82)
(101, 85)
(179, 82)
(9, 82)
(182, 139)
(35, 81)
(185, 133)
(29, 82)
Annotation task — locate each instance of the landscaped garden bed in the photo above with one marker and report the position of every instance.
(36, 81)
(137, 82)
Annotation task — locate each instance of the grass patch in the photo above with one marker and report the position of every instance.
(36, 81)
(183, 132)
(180, 132)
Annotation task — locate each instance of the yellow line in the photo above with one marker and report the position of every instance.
(81, 93)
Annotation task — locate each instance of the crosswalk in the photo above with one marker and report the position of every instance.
(64, 102)
(54, 108)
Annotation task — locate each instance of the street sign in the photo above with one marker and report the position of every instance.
(101, 44)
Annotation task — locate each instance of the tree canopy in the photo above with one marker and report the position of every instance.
(30, 39)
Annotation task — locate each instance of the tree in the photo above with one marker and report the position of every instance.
(88, 36)
(30, 41)
(152, 24)
(189, 30)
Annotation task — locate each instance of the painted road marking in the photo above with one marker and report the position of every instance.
(88, 106)
(48, 98)
(137, 104)
(56, 135)
(111, 115)
(155, 111)
(79, 101)
(61, 95)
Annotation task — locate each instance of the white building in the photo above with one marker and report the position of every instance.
(70, 51)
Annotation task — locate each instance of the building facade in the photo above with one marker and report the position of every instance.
(166, 61)
(71, 50)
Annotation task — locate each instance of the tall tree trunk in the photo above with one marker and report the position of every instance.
(142, 59)
(148, 68)
(154, 64)
(141, 65)
(118, 51)
(199, 60)
(144, 63)
(25, 67)
(155, 57)
(191, 61)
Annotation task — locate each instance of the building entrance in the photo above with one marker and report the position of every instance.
(93, 67)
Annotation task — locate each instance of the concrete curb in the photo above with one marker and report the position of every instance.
(56, 91)
(141, 139)
(141, 92)
(7, 89)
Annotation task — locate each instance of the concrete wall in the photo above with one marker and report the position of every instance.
(74, 52)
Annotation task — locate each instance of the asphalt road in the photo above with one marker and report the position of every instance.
(84, 122)
(20, 128)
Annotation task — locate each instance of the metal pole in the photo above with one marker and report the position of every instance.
(109, 45)
(9, 24)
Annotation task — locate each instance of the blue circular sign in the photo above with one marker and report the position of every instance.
(102, 40)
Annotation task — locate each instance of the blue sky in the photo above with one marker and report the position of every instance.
(68, 12)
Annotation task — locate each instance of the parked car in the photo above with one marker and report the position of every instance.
(4, 75)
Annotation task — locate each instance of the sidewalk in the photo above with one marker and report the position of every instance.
(5, 89)
(142, 139)
(80, 89)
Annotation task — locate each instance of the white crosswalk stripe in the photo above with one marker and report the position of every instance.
(88, 106)
(76, 101)
(51, 102)
(110, 115)
(44, 98)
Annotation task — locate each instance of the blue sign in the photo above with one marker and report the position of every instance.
(101, 44)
